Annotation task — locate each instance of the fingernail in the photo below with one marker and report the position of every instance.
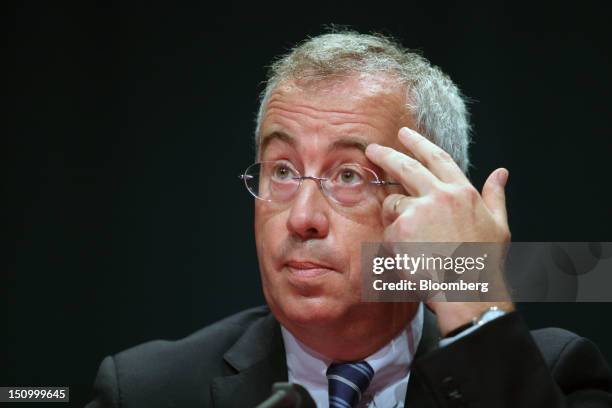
(405, 132)
(373, 147)
(502, 177)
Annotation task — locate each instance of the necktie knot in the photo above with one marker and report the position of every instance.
(347, 382)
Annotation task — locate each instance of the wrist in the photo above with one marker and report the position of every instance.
(453, 318)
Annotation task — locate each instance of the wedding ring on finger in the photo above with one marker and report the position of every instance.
(396, 204)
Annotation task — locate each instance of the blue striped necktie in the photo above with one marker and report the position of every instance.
(347, 382)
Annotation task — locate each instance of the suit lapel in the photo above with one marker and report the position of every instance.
(256, 361)
(416, 394)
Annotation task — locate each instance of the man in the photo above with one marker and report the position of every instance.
(339, 110)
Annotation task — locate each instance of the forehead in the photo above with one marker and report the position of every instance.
(370, 107)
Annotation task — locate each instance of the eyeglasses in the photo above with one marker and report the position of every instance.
(278, 181)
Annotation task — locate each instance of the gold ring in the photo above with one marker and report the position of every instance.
(396, 204)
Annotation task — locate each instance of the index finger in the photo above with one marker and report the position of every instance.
(411, 174)
(436, 159)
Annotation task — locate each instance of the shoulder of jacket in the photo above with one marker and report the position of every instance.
(185, 364)
(552, 341)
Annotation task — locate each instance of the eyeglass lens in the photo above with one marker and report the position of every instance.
(278, 181)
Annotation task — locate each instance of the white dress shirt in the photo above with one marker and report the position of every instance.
(391, 366)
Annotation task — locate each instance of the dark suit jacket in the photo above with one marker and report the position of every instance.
(234, 362)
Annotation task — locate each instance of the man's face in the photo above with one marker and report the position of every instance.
(309, 247)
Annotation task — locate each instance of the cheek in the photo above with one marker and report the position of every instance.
(267, 219)
(364, 223)
(270, 230)
(364, 227)
(267, 236)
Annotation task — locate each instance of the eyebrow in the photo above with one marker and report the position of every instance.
(349, 142)
(344, 142)
(281, 136)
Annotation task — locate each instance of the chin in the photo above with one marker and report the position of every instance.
(308, 311)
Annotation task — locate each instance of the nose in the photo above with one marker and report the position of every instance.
(309, 213)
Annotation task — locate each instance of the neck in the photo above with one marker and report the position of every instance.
(357, 335)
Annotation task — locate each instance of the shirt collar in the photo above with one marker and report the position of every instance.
(390, 363)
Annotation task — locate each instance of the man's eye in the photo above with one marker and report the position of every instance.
(348, 176)
(282, 173)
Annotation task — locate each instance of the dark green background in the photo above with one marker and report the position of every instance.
(127, 221)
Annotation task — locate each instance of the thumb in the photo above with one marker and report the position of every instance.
(494, 196)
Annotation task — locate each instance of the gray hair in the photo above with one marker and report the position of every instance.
(433, 100)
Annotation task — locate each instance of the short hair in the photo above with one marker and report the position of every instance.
(433, 100)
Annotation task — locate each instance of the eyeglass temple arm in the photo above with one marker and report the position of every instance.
(385, 183)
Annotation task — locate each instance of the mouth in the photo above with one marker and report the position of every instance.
(307, 269)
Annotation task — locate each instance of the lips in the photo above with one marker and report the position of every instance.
(306, 265)
(307, 269)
